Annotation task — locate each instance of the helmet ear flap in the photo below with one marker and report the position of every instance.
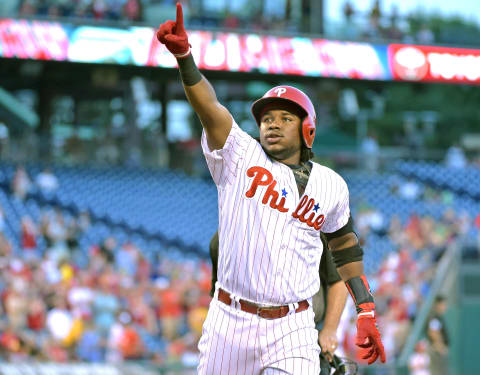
(308, 131)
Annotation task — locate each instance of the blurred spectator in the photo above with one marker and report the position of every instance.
(56, 234)
(348, 10)
(349, 29)
(169, 311)
(91, 346)
(393, 32)
(375, 12)
(419, 362)
(2, 219)
(369, 220)
(132, 10)
(81, 295)
(105, 306)
(29, 239)
(425, 35)
(36, 316)
(27, 8)
(455, 157)
(126, 259)
(410, 190)
(16, 303)
(438, 338)
(370, 150)
(129, 342)
(10, 343)
(59, 320)
(21, 183)
(374, 28)
(107, 249)
(5, 250)
(47, 181)
(231, 21)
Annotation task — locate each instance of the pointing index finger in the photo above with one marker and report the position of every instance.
(179, 20)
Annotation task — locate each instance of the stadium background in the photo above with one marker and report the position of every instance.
(107, 207)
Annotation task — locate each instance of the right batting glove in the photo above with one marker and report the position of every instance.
(173, 35)
(368, 337)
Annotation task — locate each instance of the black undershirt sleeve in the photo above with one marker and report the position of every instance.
(347, 228)
(214, 258)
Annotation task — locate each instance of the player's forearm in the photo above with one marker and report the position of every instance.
(215, 118)
(336, 299)
(199, 91)
(203, 100)
(348, 257)
(351, 270)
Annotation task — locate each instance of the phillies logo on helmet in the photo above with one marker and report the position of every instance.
(280, 91)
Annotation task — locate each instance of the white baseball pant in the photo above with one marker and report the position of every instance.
(238, 342)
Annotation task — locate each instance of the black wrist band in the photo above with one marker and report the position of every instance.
(360, 291)
(189, 71)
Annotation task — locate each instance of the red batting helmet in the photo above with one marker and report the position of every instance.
(291, 95)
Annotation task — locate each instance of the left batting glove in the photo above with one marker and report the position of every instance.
(174, 36)
(368, 336)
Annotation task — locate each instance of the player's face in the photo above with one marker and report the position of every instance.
(280, 135)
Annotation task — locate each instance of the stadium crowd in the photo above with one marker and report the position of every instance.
(377, 23)
(129, 10)
(104, 303)
(109, 303)
(404, 276)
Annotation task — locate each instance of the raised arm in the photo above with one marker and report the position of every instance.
(215, 118)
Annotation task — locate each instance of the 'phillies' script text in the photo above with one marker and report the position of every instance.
(306, 209)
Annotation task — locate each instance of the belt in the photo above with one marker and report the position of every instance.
(266, 312)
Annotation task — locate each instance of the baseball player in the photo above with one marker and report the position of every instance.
(273, 204)
(328, 302)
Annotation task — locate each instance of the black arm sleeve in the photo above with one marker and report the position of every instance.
(347, 228)
(328, 270)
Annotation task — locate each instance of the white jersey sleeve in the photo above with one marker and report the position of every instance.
(224, 163)
(340, 213)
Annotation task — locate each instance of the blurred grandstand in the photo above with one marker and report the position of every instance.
(272, 16)
(107, 208)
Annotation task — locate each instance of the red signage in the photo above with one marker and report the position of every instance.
(38, 40)
(434, 64)
(279, 55)
(45, 40)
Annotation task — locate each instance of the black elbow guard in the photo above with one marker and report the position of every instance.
(348, 255)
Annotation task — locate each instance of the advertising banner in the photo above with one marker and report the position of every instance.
(312, 57)
(434, 64)
(279, 55)
(43, 40)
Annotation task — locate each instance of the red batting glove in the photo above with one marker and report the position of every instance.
(174, 36)
(368, 337)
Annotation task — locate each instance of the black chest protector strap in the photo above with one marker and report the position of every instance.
(302, 174)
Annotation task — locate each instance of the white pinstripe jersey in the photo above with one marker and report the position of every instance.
(269, 236)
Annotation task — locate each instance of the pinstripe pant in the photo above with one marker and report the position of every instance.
(237, 342)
